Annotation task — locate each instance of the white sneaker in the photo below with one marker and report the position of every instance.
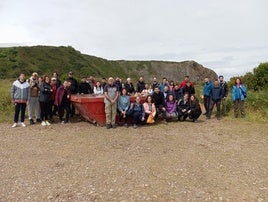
(43, 123)
(14, 125)
(47, 123)
(23, 124)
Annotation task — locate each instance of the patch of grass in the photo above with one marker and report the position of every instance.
(6, 107)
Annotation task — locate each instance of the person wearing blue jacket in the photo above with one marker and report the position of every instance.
(123, 104)
(216, 94)
(239, 94)
(206, 93)
(137, 112)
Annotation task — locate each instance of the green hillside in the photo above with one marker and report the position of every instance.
(46, 59)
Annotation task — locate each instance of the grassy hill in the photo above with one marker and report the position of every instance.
(46, 59)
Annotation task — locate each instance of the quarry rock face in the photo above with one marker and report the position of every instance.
(175, 71)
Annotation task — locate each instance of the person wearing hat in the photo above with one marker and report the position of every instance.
(33, 106)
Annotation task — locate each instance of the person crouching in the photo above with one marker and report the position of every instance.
(137, 112)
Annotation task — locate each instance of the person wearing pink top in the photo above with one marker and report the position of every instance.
(149, 107)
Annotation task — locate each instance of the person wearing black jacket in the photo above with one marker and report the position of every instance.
(188, 88)
(159, 101)
(224, 87)
(129, 87)
(140, 85)
(73, 87)
(215, 98)
(195, 109)
(84, 87)
(45, 100)
(183, 107)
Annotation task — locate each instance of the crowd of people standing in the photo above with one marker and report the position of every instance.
(47, 97)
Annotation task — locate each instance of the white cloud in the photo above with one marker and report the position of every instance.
(227, 36)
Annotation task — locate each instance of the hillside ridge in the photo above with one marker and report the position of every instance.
(46, 59)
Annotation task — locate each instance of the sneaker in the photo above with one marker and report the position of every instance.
(31, 122)
(43, 123)
(135, 126)
(14, 125)
(47, 123)
(62, 122)
(113, 126)
(38, 120)
(165, 121)
(23, 124)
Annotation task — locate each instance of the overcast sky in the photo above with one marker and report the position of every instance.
(230, 36)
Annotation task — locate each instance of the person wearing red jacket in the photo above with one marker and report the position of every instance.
(62, 100)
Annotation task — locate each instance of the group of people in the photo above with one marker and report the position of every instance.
(47, 96)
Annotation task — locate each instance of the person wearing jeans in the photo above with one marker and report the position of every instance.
(206, 93)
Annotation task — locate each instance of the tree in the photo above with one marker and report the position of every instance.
(261, 76)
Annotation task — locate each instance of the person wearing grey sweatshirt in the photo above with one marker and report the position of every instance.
(20, 93)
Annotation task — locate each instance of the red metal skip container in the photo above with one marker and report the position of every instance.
(91, 107)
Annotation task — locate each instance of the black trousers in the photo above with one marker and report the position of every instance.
(64, 106)
(19, 109)
(211, 106)
(45, 110)
(206, 104)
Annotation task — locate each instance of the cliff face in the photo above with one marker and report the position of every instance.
(175, 71)
(46, 59)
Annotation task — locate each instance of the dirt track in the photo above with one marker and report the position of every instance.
(209, 161)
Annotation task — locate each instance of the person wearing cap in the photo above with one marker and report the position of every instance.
(33, 105)
(58, 81)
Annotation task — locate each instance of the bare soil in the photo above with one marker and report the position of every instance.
(212, 160)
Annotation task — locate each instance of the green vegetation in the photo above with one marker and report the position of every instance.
(46, 59)
(6, 107)
(256, 80)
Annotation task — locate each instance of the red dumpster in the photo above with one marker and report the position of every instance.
(91, 107)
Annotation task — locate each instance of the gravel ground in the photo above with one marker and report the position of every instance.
(209, 161)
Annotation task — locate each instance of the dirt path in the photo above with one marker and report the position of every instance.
(209, 161)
